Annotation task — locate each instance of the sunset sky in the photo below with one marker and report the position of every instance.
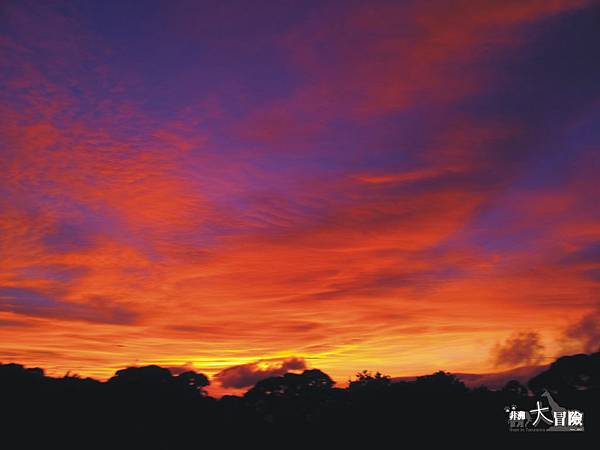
(249, 187)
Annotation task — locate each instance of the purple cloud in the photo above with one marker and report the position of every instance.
(32, 303)
(522, 348)
(246, 375)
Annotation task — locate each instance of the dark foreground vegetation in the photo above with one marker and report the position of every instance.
(148, 407)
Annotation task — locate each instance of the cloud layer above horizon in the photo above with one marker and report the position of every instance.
(390, 185)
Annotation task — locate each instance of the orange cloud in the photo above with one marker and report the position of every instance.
(214, 236)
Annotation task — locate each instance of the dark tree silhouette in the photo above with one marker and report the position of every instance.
(149, 407)
(148, 376)
(194, 381)
(569, 374)
(365, 380)
(441, 383)
(291, 385)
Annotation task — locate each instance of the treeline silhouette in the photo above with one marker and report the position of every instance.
(149, 407)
